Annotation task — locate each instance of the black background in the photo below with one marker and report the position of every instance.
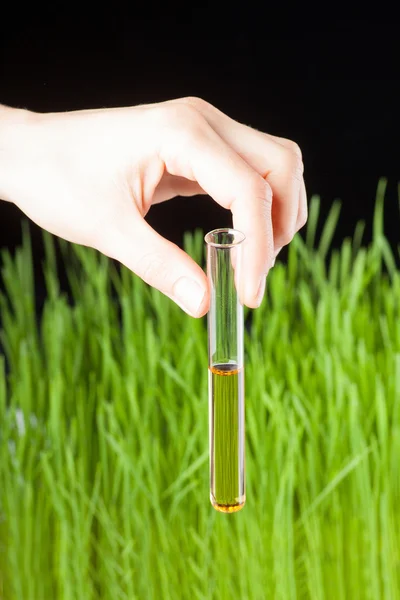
(334, 91)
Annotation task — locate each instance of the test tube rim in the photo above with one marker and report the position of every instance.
(235, 232)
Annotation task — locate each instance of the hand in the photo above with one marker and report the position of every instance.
(91, 176)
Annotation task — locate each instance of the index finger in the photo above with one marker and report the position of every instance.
(198, 153)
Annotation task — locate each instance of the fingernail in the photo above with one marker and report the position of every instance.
(261, 290)
(188, 295)
(277, 251)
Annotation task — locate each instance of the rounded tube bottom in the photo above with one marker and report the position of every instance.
(228, 508)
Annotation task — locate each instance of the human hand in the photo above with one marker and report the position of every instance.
(91, 176)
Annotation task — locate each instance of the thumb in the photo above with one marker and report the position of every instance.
(163, 265)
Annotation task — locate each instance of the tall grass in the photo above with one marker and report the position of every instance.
(104, 437)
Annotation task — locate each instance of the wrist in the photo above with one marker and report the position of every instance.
(16, 150)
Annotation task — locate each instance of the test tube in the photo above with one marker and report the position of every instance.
(226, 376)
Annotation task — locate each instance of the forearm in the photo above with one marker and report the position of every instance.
(15, 150)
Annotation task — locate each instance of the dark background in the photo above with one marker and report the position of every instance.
(334, 91)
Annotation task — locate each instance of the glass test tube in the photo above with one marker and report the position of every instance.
(226, 376)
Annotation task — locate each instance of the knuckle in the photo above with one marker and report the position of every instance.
(295, 149)
(302, 222)
(180, 113)
(302, 219)
(186, 120)
(286, 236)
(151, 268)
(261, 190)
(198, 103)
(267, 191)
(293, 159)
(297, 168)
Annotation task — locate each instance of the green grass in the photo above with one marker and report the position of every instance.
(104, 433)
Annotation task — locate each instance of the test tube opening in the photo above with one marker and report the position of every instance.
(224, 238)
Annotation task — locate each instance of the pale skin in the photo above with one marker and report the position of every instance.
(91, 176)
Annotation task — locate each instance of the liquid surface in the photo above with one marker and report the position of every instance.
(227, 461)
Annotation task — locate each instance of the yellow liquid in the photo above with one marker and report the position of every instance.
(227, 462)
